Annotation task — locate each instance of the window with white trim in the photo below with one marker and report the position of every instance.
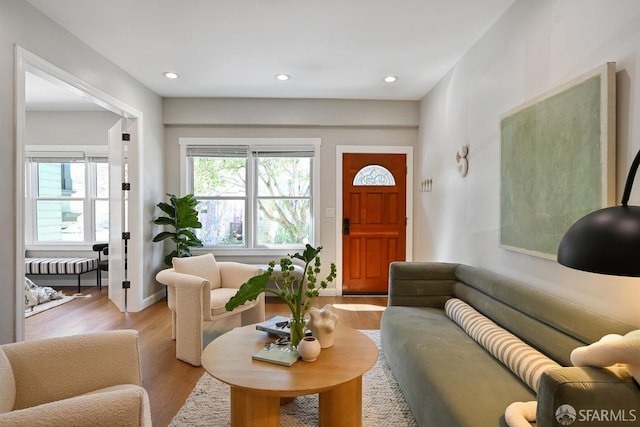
(67, 198)
(258, 195)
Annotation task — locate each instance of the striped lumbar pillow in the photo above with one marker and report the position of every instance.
(523, 360)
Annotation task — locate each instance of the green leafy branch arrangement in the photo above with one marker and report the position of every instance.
(297, 294)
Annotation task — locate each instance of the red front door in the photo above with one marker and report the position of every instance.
(373, 219)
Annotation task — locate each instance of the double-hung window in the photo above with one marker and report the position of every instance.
(253, 193)
(67, 196)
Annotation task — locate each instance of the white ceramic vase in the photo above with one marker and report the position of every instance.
(309, 349)
(322, 323)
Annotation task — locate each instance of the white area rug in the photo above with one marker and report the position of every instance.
(382, 402)
(28, 312)
(51, 304)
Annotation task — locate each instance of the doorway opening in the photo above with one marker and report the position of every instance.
(32, 70)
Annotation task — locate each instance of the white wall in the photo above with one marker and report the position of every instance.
(534, 47)
(335, 122)
(68, 127)
(22, 25)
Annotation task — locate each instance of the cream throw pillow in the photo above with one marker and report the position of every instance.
(204, 266)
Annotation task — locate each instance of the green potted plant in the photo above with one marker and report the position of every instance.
(296, 293)
(181, 216)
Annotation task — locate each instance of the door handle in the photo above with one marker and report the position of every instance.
(345, 226)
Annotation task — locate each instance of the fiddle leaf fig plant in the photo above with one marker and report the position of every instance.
(296, 293)
(181, 217)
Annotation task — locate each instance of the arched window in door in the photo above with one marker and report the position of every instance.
(374, 175)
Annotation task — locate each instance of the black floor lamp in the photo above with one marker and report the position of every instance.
(606, 241)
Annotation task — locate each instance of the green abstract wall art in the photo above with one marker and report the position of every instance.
(557, 162)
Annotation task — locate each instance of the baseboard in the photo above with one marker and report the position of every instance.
(150, 300)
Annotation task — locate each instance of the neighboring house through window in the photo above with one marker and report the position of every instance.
(253, 193)
(67, 197)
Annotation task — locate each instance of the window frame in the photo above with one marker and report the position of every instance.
(261, 145)
(90, 156)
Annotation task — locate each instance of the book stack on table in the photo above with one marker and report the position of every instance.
(278, 325)
(280, 354)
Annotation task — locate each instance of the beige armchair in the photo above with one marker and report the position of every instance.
(198, 289)
(80, 380)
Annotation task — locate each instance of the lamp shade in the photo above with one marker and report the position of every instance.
(606, 241)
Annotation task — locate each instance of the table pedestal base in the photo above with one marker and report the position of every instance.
(340, 406)
(253, 409)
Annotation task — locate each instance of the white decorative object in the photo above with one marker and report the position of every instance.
(309, 349)
(461, 160)
(322, 323)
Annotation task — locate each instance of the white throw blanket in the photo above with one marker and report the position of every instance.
(34, 294)
(611, 350)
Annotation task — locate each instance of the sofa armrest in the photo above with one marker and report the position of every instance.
(170, 277)
(72, 365)
(612, 392)
(421, 284)
(234, 274)
(193, 292)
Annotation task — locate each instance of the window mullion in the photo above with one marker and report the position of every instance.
(88, 208)
(30, 225)
(252, 205)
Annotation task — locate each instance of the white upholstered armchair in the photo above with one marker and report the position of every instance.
(198, 289)
(81, 380)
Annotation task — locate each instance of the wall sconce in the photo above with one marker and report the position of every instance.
(426, 185)
(461, 160)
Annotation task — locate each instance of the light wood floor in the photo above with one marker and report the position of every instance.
(168, 380)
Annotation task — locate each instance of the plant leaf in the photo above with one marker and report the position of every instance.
(188, 234)
(167, 208)
(249, 291)
(163, 220)
(163, 235)
(309, 253)
(169, 257)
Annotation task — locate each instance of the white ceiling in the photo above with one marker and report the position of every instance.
(332, 49)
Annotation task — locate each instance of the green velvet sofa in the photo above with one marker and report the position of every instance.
(448, 379)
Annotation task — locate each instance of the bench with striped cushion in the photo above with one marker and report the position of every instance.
(60, 266)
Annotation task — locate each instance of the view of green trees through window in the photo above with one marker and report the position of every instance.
(277, 186)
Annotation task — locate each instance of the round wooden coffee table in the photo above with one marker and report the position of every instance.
(257, 387)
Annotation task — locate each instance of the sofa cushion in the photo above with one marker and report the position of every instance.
(523, 360)
(552, 325)
(447, 378)
(7, 384)
(204, 266)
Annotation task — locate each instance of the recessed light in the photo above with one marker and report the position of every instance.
(170, 75)
(283, 77)
(390, 79)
